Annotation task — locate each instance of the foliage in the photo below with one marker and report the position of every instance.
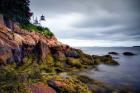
(17, 10)
(32, 27)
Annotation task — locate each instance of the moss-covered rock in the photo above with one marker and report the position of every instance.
(36, 87)
(74, 62)
(87, 59)
(68, 85)
(107, 59)
(85, 79)
(50, 60)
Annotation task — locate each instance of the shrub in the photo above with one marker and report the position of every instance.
(34, 28)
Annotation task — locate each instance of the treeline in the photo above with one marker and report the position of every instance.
(16, 10)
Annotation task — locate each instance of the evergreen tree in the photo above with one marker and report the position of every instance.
(17, 10)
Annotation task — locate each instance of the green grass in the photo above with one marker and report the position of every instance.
(33, 28)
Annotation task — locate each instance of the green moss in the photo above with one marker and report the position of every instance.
(74, 62)
(72, 85)
(13, 87)
(61, 59)
(87, 60)
(10, 80)
(107, 59)
(50, 60)
(97, 60)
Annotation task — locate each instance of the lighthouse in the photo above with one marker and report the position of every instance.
(39, 22)
(42, 18)
(43, 21)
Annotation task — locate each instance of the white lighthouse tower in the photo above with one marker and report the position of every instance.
(43, 21)
(40, 22)
(42, 18)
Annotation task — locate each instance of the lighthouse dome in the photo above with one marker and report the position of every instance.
(42, 18)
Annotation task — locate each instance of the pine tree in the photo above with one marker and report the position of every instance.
(16, 10)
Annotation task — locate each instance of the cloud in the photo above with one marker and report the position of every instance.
(100, 20)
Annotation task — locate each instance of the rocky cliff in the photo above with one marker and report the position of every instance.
(15, 45)
(32, 61)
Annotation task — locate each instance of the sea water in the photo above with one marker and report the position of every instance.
(125, 74)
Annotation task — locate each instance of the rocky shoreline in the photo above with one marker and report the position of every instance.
(33, 63)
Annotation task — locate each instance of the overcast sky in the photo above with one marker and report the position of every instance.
(91, 22)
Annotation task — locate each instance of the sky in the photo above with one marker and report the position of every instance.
(91, 22)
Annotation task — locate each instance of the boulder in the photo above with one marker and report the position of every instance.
(17, 54)
(58, 51)
(40, 88)
(55, 84)
(113, 53)
(42, 50)
(106, 59)
(128, 53)
(72, 53)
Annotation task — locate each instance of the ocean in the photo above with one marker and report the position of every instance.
(126, 74)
